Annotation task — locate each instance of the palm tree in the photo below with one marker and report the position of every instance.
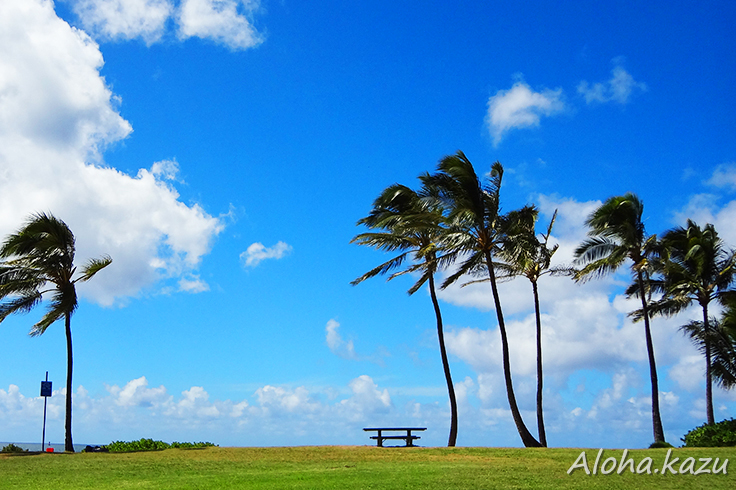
(39, 259)
(696, 267)
(722, 344)
(524, 254)
(410, 226)
(723, 368)
(617, 234)
(475, 232)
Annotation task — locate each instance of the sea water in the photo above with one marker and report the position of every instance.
(36, 446)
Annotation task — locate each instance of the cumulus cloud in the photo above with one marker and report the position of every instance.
(367, 398)
(257, 252)
(520, 107)
(57, 117)
(137, 394)
(124, 19)
(224, 21)
(619, 88)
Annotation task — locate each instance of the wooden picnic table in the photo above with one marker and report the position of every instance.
(408, 437)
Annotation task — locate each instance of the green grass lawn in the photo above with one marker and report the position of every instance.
(355, 467)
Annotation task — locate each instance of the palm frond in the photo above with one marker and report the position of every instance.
(20, 304)
(384, 268)
(60, 305)
(422, 280)
(721, 336)
(469, 264)
(93, 266)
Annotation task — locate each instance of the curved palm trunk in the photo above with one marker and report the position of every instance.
(656, 418)
(708, 377)
(68, 445)
(540, 413)
(445, 365)
(526, 437)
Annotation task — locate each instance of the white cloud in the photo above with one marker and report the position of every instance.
(689, 372)
(224, 21)
(227, 22)
(257, 252)
(724, 176)
(52, 94)
(137, 394)
(367, 397)
(124, 19)
(704, 209)
(520, 107)
(336, 343)
(193, 284)
(56, 116)
(276, 399)
(619, 88)
(282, 415)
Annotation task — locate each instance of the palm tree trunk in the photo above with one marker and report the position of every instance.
(68, 445)
(526, 437)
(708, 376)
(540, 413)
(656, 418)
(445, 365)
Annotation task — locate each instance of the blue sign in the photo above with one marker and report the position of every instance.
(45, 388)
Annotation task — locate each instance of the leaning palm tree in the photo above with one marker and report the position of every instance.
(524, 254)
(411, 226)
(617, 234)
(36, 260)
(475, 233)
(697, 268)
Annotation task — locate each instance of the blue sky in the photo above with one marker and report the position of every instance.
(221, 152)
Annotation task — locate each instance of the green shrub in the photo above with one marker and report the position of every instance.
(191, 445)
(660, 444)
(12, 448)
(722, 434)
(151, 445)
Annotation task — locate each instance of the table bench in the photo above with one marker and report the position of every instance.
(408, 437)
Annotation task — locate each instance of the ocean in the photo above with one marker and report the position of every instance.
(35, 446)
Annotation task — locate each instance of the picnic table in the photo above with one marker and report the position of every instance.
(408, 437)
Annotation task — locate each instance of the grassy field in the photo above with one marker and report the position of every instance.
(358, 467)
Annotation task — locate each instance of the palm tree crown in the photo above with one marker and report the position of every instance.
(37, 260)
(411, 224)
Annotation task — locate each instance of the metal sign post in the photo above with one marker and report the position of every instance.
(45, 393)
